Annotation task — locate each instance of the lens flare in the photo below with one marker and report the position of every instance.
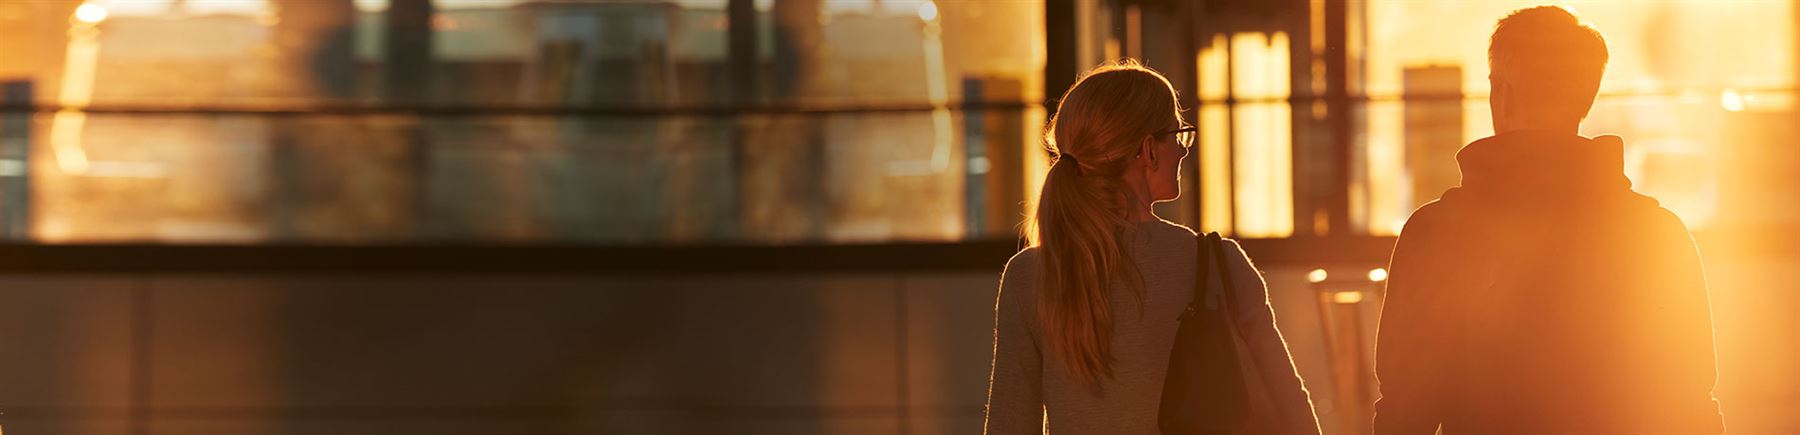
(1377, 275)
(1317, 276)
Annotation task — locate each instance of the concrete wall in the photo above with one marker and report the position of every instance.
(839, 353)
(853, 353)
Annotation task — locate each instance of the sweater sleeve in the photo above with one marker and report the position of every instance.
(1408, 352)
(1015, 384)
(1256, 318)
(1688, 354)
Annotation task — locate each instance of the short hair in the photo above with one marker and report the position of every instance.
(1551, 59)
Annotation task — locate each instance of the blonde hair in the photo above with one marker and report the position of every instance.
(1081, 219)
(1552, 59)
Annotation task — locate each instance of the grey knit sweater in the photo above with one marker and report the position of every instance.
(1031, 392)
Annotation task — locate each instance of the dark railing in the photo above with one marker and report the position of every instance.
(597, 260)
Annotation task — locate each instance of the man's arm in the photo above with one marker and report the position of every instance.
(1693, 368)
(1409, 347)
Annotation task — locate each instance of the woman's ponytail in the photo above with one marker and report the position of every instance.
(1081, 223)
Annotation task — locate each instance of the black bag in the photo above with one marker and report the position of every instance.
(1205, 391)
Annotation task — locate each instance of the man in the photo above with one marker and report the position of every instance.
(1543, 296)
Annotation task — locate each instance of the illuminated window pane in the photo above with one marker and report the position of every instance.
(1215, 139)
(1262, 135)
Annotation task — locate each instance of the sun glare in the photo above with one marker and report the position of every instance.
(928, 11)
(90, 13)
(1666, 59)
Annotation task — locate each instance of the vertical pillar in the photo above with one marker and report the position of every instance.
(15, 160)
(1159, 42)
(995, 163)
(408, 71)
(798, 39)
(1060, 49)
(408, 77)
(317, 37)
(741, 50)
(741, 67)
(1312, 145)
(1338, 119)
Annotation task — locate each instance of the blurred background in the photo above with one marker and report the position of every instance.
(755, 216)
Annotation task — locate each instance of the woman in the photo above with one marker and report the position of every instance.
(1087, 315)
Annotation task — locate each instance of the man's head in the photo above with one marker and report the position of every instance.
(1545, 67)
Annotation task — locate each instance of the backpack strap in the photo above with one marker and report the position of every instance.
(1202, 273)
(1219, 258)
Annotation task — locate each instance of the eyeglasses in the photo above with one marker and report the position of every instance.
(1183, 135)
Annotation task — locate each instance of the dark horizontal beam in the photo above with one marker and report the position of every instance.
(464, 413)
(515, 110)
(500, 259)
(717, 111)
(988, 255)
(629, 260)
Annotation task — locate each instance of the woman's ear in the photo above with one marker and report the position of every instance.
(1147, 148)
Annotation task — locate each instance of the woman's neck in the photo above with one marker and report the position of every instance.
(1142, 208)
(1144, 212)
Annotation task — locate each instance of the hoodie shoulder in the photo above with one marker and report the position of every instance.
(1612, 140)
(1429, 216)
(1666, 222)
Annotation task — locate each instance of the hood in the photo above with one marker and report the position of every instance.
(1526, 168)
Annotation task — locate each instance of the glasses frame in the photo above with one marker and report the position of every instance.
(1184, 136)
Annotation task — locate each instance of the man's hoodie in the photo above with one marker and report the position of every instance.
(1543, 296)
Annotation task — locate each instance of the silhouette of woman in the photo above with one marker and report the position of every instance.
(1087, 315)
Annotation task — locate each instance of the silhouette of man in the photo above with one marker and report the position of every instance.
(1542, 295)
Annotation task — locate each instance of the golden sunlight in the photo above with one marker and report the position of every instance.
(1666, 58)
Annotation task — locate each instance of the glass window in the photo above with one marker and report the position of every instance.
(354, 121)
(1246, 154)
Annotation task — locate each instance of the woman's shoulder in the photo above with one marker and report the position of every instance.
(1164, 226)
(1018, 282)
(1164, 234)
(1023, 264)
(1174, 230)
(1164, 239)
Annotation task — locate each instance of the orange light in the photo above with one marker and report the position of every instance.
(444, 22)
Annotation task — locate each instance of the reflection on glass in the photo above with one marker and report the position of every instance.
(77, 88)
(621, 158)
(501, 179)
